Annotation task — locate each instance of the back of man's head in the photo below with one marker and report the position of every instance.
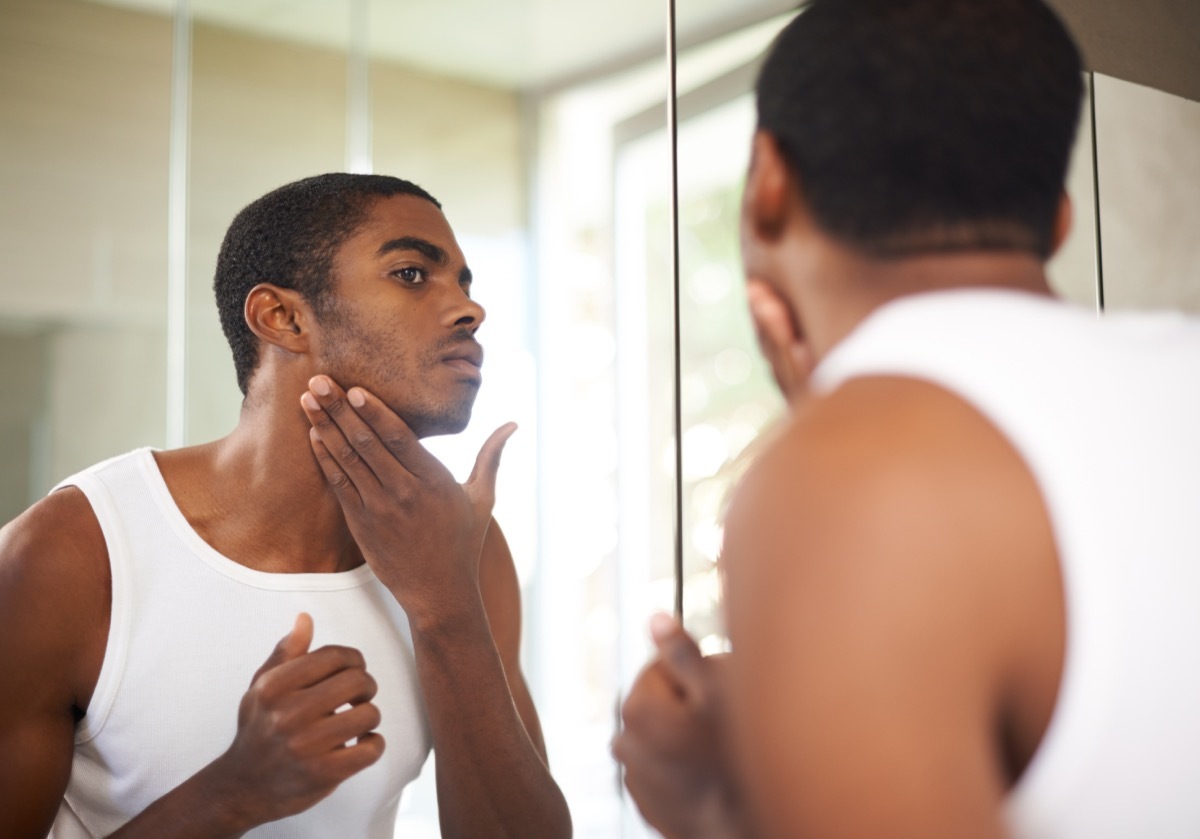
(926, 125)
(289, 238)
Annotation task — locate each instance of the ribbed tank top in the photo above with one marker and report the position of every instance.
(189, 629)
(1105, 413)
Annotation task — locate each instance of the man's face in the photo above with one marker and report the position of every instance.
(400, 321)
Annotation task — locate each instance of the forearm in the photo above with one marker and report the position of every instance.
(202, 807)
(491, 779)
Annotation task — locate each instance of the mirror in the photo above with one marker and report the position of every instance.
(134, 130)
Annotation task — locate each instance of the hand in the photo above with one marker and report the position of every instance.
(291, 748)
(672, 743)
(779, 339)
(419, 529)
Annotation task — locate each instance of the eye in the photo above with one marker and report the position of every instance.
(410, 275)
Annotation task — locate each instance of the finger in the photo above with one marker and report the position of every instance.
(349, 760)
(681, 659)
(349, 686)
(779, 339)
(481, 485)
(291, 646)
(391, 429)
(334, 731)
(655, 708)
(656, 783)
(308, 670)
(767, 317)
(342, 485)
(352, 444)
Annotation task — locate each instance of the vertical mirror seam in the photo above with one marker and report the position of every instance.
(1096, 195)
(358, 91)
(177, 204)
(673, 139)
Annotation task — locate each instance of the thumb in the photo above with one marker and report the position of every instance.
(292, 645)
(481, 485)
(679, 655)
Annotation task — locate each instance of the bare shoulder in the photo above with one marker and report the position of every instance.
(896, 458)
(55, 591)
(54, 612)
(890, 554)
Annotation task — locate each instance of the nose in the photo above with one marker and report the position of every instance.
(464, 311)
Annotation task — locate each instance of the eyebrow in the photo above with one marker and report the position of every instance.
(424, 247)
(427, 249)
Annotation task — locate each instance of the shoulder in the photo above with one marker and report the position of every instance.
(903, 455)
(892, 526)
(55, 591)
(891, 486)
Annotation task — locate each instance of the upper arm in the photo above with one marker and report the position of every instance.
(873, 561)
(53, 591)
(501, 592)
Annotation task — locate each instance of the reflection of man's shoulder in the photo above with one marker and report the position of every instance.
(58, 528)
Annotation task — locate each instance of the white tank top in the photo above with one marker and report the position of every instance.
(189, 629)
(1106, 414)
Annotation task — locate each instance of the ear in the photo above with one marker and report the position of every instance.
(1062, 222)
(780, 339)
(769, 184)
(279, 316)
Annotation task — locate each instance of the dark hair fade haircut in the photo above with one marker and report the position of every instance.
(289, 238)
(926, 125)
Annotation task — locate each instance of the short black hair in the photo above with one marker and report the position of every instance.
(289, 237)
(924, 125)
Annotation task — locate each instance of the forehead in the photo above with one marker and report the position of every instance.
(397, 217)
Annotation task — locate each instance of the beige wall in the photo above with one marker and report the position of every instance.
(83, 189)
(1148, 147)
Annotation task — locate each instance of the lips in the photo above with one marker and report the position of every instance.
(472, 353)
(466, 359)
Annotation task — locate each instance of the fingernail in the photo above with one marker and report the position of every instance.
(320, 385)
(356, 398)
(309, 401)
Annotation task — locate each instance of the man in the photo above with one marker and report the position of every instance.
(140, 695)
(963, 581)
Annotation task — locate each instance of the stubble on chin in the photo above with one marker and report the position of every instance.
(439, 421)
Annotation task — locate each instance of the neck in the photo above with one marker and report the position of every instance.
(846, 287)
(259, 497)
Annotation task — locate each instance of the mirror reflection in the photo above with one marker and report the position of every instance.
(541, 130)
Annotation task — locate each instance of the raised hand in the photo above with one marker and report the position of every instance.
(780, 340)
(672, 742)
(293, 746)
(419, 529)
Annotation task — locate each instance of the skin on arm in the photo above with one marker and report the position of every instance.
(53, 627)
(501, 592)
(433, 543)
(896, 615)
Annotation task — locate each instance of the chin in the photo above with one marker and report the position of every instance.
(439, 427)
(451, 419)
